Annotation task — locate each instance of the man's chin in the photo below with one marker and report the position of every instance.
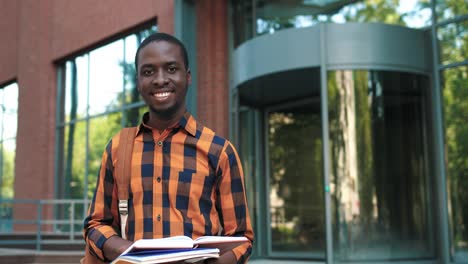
(165, 113)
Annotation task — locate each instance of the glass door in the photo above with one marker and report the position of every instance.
(379, 172)
(295, 182)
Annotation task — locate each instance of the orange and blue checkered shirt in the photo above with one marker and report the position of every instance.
(184, 181)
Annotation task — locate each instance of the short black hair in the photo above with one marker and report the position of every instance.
(155, 37)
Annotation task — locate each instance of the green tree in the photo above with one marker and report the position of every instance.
(454, 49)
(8, 159)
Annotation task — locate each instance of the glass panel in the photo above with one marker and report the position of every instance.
(76, 88)
(106, 78)
(379, 166)
(101, 130)
(242, 19)
(129, 71)
(455, 96)
(453, 42)
(296, 195)
(74, 159)
(9, 110)
(8, 129)
(96, 86)
(275, 15)
(447, 9)
(7, 159)
(249, 146)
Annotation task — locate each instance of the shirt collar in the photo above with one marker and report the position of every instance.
(187, 122)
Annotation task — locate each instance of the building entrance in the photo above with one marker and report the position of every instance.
(336, 145)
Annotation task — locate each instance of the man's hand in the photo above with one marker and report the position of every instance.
(114, 246)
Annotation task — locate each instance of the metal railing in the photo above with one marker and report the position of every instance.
(41, 222)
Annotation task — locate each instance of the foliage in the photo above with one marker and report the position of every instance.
(7, 179)
(297, 176)
(455, 94)
(373, 11)
(454, 49)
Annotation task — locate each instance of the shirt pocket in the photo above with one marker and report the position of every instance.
(195, 192)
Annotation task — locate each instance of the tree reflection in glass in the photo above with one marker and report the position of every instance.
(296, 180)
(455, 94)
(378, 173)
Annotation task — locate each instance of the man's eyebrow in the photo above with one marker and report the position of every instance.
(147, 65)
(172, 63)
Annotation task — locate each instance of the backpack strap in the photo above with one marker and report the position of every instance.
(123, 169)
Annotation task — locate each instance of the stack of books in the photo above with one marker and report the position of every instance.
(178, 248)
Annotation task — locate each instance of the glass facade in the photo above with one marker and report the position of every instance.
(296, 206)
(98, 96)
(259, 17)
(379, 173)
(8, 128)
(381, 138)
(455, 106)
(452, 33)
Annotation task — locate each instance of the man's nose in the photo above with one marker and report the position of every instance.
(160, 78)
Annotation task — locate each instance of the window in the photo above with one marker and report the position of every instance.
(380, 169)
(455, 95)
(259, 17)
(8, 127)
(97, 96)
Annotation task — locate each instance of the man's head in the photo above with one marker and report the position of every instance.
(163, 76)
(162, 37)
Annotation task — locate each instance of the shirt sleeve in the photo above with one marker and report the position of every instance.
(102, 220)
(232, 202)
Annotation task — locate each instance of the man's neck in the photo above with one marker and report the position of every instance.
(162, 122)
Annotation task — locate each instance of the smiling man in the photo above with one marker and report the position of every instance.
(185, 179)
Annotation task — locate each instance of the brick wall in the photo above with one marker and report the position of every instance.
(37, 33)
(212, 65)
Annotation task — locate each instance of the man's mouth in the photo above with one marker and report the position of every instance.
(161, 95)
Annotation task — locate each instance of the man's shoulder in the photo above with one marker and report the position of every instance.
(208, 133)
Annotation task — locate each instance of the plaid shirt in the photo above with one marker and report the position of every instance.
(185, 181)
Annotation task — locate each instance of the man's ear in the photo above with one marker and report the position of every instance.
(189, 77)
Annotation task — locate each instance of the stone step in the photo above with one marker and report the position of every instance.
(49, 241)
(25, 256)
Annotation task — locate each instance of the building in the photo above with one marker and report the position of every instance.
(349, 116)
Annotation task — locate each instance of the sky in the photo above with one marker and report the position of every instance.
(8, 115)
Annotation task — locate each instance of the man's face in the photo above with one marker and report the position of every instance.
(162, 78)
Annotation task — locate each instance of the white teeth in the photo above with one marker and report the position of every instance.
(161, 95)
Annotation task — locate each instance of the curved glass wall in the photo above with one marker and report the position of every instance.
(455, 98)
(379, 172)
(280, 143)
(296, 197)
(452, 35)
(388, 196)
(258, 17)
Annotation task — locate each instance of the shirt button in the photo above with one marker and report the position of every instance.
(159, 218)
(159, 179)
(159, 143)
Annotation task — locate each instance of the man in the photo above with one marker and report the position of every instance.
(185, 179)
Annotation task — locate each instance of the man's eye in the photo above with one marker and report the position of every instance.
(172, 69)
(147, 72)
